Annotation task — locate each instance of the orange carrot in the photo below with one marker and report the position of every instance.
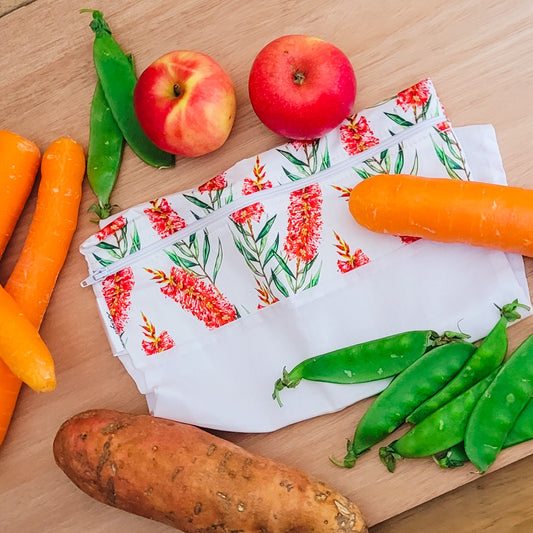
(19, 163)
(22, 348)
(445, 210)
(9, 391)
(51, 230)
(34, 276)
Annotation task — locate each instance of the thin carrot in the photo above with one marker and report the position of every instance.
(51, 230)
(445, 210)
(19, 163)
(35, 273)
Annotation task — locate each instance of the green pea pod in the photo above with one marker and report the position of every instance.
(408, 390)
(498, 409)
(484, 360)
(522, 429)
(441, 430)
(367, 361)
(118, 83)
(104, 154)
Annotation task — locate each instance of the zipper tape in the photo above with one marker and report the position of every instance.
(243, 201)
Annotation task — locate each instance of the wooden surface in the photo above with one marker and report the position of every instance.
(478, 54)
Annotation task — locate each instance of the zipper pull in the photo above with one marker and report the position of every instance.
(97, 276)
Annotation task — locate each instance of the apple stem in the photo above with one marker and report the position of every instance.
(298, 77)
(177, 90)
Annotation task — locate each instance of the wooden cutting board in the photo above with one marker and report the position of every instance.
(479, 57)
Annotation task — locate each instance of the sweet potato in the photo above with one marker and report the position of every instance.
(185, 477)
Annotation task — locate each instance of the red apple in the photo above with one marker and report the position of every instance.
(301, 87)
(185, 102)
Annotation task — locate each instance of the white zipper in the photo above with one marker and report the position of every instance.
(263, 194)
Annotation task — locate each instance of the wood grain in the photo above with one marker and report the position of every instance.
(479, 56)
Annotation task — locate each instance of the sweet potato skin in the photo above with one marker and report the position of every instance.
(194, 481)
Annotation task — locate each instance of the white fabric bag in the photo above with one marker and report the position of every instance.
(207, 294)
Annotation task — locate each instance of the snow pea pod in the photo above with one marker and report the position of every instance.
(104, 153)
(498, 409)
(408, 390)
(441, 430)
(484, 360)
(522, 431)
(367, 361)
(118, 83)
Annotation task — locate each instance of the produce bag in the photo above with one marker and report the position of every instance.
(206, 295)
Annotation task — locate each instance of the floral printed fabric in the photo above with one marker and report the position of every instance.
(255, 238)
(272, 249)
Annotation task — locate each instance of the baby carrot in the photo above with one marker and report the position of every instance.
(51, 230)
(62, 175)
(446, 210)
(19, 163)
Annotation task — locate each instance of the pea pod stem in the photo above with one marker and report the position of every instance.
(368, 361)
(489, 355)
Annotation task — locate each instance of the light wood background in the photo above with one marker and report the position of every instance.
(479, 55)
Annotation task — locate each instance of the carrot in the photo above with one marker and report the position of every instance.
(22, 348)
(51, 230)
(9, 391)
(19, 163)
(44, 252)
(445, 210)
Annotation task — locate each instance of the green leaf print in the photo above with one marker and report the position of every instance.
(124, 245)
(218, 261)
(266, 228)
(293, 159)
(281, 288)
(399, 120)
(398, 167)
(187, 255)
(207, 248)
(291, 176)
(312, 163)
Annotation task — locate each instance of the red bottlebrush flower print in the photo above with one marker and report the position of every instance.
(298, 145)
(345, 191)
(251, 185)
(443, 126)
(116, 290)
(265, 296)
(356, 136)
(408, 240)
(111, 228)
(349, 260)
(201, 299)
(250, 212)
(305, 223)
(163, 218)
(416, 96)
(155, 343)
(214, 184)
